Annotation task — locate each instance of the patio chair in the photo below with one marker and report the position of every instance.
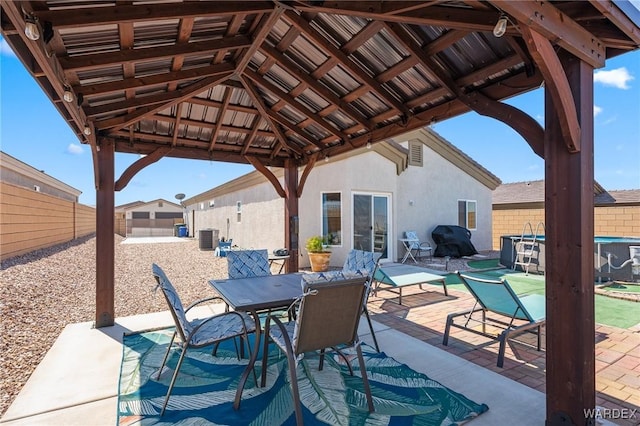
(328, 317)
(417, 245)
(198, 333)
(497, 297)
(248, 263)
(365, 262)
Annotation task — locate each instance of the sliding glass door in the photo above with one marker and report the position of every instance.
(371, 214)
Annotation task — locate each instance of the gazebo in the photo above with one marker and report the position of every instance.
(287, 83)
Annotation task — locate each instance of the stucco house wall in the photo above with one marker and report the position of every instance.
(435, 189)
(261, 221)
(420, 197)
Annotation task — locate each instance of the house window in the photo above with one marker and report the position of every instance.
(332, 218)
(239, 211)
(415, 153)
(467, 214)
(160, 204)
(212, 203)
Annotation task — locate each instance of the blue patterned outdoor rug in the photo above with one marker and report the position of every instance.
(206, 386)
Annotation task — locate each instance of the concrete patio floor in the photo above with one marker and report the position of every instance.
(77, 381)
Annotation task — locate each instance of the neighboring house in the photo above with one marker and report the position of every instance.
(616, 214)
(38, 210)
(150, 219)
(121, 217)
(366, 199)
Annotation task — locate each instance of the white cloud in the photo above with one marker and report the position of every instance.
(5, 49)
(74, 149)
(616, 78)
(596, 110)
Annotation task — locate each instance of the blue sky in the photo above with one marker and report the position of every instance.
(33, 131)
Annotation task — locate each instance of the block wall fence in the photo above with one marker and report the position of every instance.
(612, 221)
(31, 220)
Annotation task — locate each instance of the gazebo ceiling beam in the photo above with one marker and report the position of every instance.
(292, 103)
(554, 25)
(106, 59)
(175, 97)
(304, 26)
(461, 18)
(231, 154)
(93, 16)
(143, 82)
(252, 135)
(300, 74)
(176, 124)
(221, 112)
(268, 116)
(260, 34)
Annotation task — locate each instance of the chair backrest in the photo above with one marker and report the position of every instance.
(329, 314)
(361, 261)
(248, 263)
(413, 235)
(495, 296)
(183, 327)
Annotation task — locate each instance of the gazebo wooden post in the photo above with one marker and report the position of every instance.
(291, 215)
(105, 240)
(570, 326)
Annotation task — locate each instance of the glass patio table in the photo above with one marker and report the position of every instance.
(253, 295)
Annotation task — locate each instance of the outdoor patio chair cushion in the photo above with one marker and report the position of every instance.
(248, 263)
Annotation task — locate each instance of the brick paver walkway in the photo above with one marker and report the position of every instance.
(423, 316)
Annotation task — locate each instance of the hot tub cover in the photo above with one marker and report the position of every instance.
(453, 241)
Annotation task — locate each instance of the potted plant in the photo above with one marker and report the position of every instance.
(319, 254)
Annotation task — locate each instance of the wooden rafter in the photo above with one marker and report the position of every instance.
(291, 102)
(177, 96)
(267, 115)
(184, 34)
(220, 117)
(466, 19)
(344, 60)
(144, 82)
(148, 12)
(176, 126)
(100, 60)
(318, 88)
(252, 135)
(258, 37)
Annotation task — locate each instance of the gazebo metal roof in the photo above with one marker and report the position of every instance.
(285, 83)
(266, 81)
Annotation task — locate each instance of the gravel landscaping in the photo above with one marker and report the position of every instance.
(43, 291)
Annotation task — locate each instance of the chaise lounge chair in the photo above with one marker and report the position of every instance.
(497, 297)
